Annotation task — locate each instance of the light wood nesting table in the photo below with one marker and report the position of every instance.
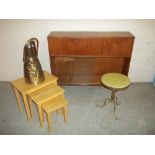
(22, 88)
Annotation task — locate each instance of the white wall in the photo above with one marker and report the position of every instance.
(14, 34)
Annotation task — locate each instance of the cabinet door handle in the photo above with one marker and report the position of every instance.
(76, 41)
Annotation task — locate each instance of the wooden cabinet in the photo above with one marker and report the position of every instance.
(82, 57)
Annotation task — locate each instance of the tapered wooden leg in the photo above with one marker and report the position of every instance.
(26, 107)
(59, 112)
(65, 114)
(49, 120)
(43, 114)
(18, 99)
(30, 103)
(40, 114)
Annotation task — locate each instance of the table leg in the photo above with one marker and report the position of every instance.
(65, 113)
(41, 117)
(26, 107)
(18, 99)
(30, 104)
(59, 112)
(49, 120)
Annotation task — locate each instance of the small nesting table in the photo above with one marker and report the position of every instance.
(44, 96)
(115, 82)
(22, 88)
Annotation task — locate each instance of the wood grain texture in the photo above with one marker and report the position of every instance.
(82, 57)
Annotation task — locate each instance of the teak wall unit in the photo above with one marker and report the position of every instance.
(82, 57)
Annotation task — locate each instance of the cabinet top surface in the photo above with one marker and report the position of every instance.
(84, 34)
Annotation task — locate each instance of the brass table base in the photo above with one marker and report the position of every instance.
(113, 100)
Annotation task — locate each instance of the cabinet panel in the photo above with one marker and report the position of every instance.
(106, 65)
(74, 69)
(75, 46)
(55, 46)
(95, 47)
(126, 46)
(111, 47)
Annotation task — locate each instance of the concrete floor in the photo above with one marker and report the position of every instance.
(136, 112)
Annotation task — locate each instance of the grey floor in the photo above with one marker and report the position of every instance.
(136, 112)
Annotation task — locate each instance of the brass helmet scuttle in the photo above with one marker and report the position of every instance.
(33, 72)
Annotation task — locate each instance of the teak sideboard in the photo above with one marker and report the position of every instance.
(82, 57)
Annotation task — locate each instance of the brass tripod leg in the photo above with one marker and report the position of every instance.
(115, 105)
(113, 100)
(113, 96)
(107, 99)
(117, 101)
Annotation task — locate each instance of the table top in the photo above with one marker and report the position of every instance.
(23, 87)
(90, 34)
(54, 103)
(115, 81)
(44, 94)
